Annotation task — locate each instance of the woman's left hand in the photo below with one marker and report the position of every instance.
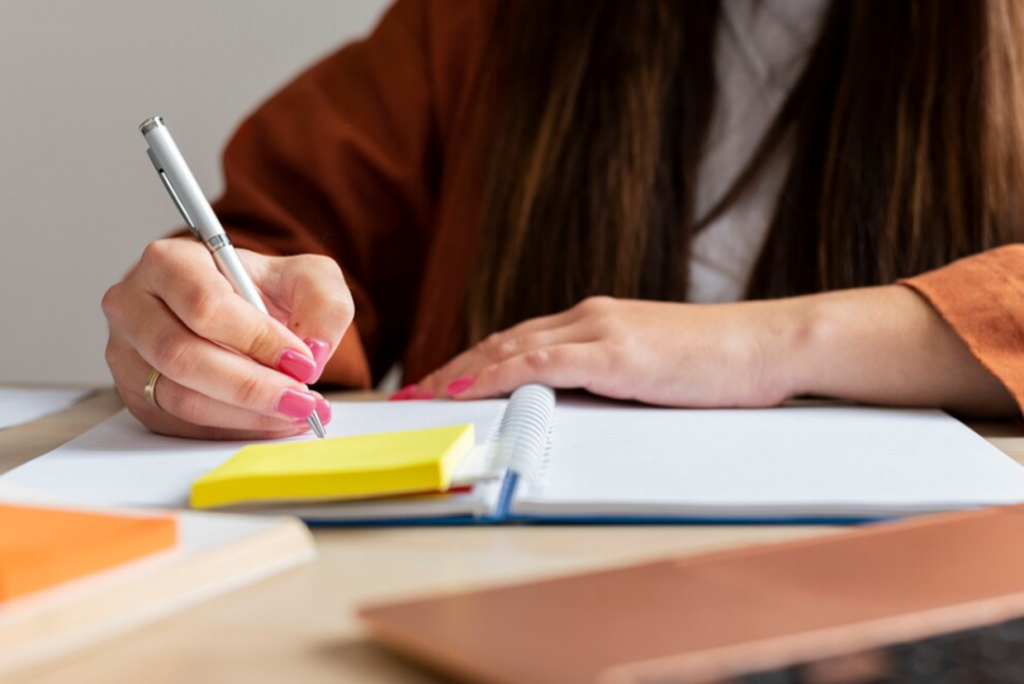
(671, 354)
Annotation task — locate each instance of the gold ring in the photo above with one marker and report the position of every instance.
(150, 389)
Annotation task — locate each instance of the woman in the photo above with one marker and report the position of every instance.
(582, 193)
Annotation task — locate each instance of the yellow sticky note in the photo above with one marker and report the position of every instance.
(364, 466)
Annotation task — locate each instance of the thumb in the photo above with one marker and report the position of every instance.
(310, 296)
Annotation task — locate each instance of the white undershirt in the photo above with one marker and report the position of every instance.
(760, 51)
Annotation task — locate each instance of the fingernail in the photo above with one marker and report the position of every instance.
(459, 385)
(296, 404)
(405, 393)
(296, 365)
(425, 394)
(323, 409)
(321, 353)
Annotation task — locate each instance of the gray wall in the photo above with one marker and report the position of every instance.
(78, 197)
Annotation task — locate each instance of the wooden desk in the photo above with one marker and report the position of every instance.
(302, 626)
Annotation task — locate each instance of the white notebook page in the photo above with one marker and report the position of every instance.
(837, 460)
(120, 463)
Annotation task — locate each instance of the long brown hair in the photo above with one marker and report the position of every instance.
(906, 130)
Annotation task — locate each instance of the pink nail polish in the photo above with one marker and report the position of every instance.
(296, 404)
(425, 394)
(460, 385)
(405, 393)
(323, 409)
(321, 353)
(296, 365)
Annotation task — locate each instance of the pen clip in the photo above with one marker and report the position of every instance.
(174, 195)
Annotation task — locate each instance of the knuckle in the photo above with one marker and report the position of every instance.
(249, 392)
(323, 265)
(347, 305)
(111, 302)
(539, 360)
(159, 252)
(263, 343)
(173, 356)
(318, 268)
(203, 308)
(596, 304)
(340, 306)
(505, 349)
(491, 344)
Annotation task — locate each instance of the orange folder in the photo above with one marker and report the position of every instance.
(42, 547)
(831, 604)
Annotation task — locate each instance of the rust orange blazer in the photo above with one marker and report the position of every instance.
(373, 157)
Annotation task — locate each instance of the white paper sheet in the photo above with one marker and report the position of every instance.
(120, 463)
(831, 460)
(23, 405)
(607, 460)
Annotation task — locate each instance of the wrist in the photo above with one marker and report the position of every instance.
(798, 328)
(833, 340)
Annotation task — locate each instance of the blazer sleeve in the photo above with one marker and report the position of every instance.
(981, 297)
(340, 162)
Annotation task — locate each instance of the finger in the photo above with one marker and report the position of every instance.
(192, 407)
(164, 423)
(502, 345)
(563, 366)
(178, 353)
(313, 292)
(496, 349)
(124, 362)
(182, 274)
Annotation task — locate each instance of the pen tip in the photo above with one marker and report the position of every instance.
(318, 427)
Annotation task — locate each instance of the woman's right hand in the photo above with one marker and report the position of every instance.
(227, 370)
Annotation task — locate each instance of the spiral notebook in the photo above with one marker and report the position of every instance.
(539, 456)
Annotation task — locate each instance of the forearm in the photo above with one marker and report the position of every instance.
(885, 345)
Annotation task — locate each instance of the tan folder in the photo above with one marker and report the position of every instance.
(716, 616)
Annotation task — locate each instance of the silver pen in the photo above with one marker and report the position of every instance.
(202, 222)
